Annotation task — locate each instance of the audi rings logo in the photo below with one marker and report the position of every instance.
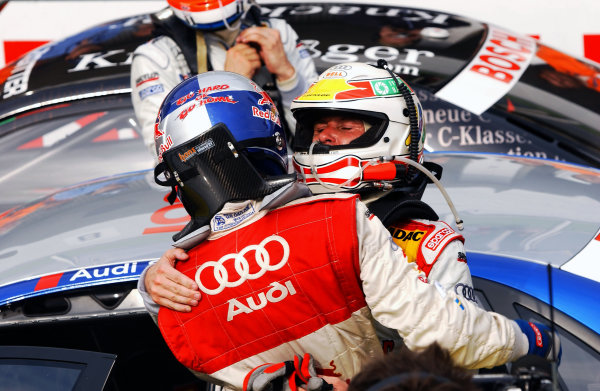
(242, 267)
(465, 291)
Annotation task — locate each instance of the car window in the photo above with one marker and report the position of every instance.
(42, 375)
(34, 368)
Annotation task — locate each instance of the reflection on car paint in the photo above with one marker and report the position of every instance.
(61, 133)
(117, 135)
(171, 218)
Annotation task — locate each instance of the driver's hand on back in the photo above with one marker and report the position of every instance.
(167, 286)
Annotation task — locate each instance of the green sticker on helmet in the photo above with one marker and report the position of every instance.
(384, 87)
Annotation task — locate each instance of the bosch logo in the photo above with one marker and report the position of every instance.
(465, 291)
(242, 267)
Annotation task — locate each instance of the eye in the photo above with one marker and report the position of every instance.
(318, 128)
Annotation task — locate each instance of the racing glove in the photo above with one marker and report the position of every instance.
(286, 376)
(540, 340)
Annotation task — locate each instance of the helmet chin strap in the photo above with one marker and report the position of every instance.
(359, 171)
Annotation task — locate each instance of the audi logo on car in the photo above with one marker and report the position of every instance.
(242, 267)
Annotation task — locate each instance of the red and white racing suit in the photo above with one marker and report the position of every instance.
(159, 65)
(309, 276)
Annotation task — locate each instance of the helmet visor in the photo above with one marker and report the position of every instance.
(212, 169)
(331, 129)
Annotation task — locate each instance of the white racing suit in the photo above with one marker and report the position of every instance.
(437, 251)
(159, 65)
(432, 245)
(310, 276)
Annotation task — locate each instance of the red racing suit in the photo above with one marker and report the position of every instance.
(310, 276)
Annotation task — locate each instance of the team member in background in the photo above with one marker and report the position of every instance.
(283, 272)
(196, 36)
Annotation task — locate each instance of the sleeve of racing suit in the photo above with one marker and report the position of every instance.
(150, 305)
(303, 63)
(452, 272)
(156, 68)
(400, 298)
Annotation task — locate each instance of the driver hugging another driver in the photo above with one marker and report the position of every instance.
(273, 264)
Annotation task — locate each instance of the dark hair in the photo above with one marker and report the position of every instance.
(404, 370)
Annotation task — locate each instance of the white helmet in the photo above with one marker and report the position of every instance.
(394, 130)
(207, 14)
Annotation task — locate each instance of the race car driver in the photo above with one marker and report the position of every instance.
(283, 272)
(354, 115)
(200, 35)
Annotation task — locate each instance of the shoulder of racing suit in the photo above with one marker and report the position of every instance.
(423, 240)
(161, 50)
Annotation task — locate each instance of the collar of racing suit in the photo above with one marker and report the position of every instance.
(258, 208)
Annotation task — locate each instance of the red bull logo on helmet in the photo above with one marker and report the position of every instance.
(264, 99)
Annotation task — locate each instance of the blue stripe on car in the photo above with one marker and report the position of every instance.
(573, 295)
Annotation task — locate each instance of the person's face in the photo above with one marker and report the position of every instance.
(337, 130)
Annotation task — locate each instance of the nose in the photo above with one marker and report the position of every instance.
(327, 135)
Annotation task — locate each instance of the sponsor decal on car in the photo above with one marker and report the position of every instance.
(101, 60)
(495, 69)
(18, 81)
(416, 16)
(169, 218)
(72, 279)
